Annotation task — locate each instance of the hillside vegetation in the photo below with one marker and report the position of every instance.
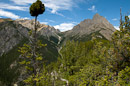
(93, 53)
(92, 63)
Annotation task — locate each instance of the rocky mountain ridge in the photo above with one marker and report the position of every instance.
(5, 19)
(11, 32)
(44, 30)
(88, 26)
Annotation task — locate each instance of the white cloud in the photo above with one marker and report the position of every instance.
(25, 18)
(129, 16)
(59, 14)
(47, 20)
(12, 7)
(65, 26)
(44, 22)
(23, 2)
(53, 5)
(51, 20)
(117, 27)
(93, 8)
(57, 5)
(8, 14)
(115, 19)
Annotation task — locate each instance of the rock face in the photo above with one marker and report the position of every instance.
(4, 20)
(11, 34)
(44, 30)
(15, 33)
(97, 24)
(48, 31)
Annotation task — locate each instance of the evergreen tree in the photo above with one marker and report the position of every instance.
(31, 52)
(121, 46)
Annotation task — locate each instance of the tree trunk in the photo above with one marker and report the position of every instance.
(34, 51)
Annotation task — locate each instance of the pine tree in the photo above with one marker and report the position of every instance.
(121, 45)
(31, 52)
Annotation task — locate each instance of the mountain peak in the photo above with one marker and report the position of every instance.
(97, 17)
(98, 24)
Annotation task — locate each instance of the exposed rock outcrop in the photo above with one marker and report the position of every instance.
(11, 34)
(43, 29)
(88, 26)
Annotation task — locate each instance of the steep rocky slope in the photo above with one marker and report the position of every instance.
(98, 25)
(6, 19)
(47, 31)
(11, 34)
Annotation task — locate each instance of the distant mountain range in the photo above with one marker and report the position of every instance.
(14, 33)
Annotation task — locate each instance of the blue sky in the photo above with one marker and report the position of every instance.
(64, 14)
